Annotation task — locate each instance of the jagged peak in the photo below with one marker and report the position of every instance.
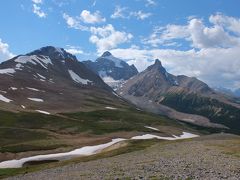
(157, 66)
(106, 54)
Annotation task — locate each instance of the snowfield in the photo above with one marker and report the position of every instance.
(85, 151)
(42, 61)
(185, 135)
(78, 79)
(8, 71)
(4, 99)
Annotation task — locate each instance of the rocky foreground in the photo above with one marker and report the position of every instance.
(209, 157)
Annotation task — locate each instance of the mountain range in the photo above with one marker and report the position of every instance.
(51, 81)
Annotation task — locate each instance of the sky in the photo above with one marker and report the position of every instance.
(195, 38)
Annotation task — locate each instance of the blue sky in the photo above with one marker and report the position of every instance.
(185, 35)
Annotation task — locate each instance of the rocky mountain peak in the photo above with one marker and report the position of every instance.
(106, 54)
(157, 66)
(53, 53)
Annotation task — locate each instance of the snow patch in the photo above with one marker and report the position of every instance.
(155, 129)
(36, 99)
(4, 99)
(33, 89)
(112, 108)
(3, 91)
(78, 79)
(34, 59)
(185, 135)
(8, 71)
(13, 88)
(43, 112)
(84, 151)
(41, 76)
(23, 106)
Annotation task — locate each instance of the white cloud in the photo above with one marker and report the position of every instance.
(73, 22)
(93, 18)
(106, 38)
(150, 3)
(140, 15)
(5, 54)
(37, 10)
(215, 66)
(122, 12)
(37, 1)
(230, 23)
(198, 34)
(74, 50)
(119, 12)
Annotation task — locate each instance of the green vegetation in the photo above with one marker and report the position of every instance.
(21, 132)
(216, 111)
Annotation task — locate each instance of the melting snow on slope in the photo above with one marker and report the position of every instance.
(43, 112)
(112, 108)
(43, 60)
(23, 106)
(8, 71)
(155, 129)
(84, 151)
(185, 135)
(36, 99)
(33, 89)
(78, 79)
(4, 99)
(13, 88)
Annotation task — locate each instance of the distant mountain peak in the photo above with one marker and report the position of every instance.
(106, 54)
(53, 53)
(157, 66)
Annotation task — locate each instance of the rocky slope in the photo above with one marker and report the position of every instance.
(112, 70)
(181, 97)
(50, 79)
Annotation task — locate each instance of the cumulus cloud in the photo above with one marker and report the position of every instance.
(38, 11)
(230, 23)
(73, 22)
(91, 18)
(4, 51)
(74, 50)
(219, 34)
(106, 37)
(213, 55)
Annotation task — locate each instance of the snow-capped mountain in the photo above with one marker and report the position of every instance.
(49, 79)
(112, 70)
(180, 97)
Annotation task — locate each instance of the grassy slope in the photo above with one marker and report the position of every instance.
(215, 110)
(20, 132)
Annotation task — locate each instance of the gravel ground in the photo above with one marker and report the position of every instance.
(196, 159)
